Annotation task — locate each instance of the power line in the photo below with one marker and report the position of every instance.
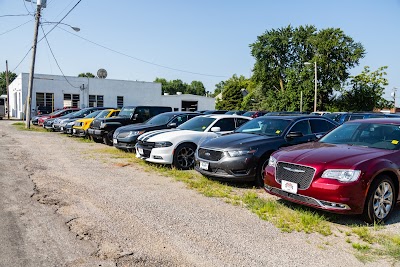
(16, 27)
(51, 50)
(26, 7)
(142, 60)
(19, 15)
(45, 34)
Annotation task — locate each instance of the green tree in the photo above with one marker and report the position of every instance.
(196, 88)
(279, 68)
(365, 91)
(232, 93)
(3, 85)
(87, 75)
(218, 88)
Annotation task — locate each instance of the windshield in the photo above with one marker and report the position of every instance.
(197, 124)
(102, 113)
(264, 126)
(93, 114)
(126, 112)
(160, 119)
(248, 113)
(374, 135)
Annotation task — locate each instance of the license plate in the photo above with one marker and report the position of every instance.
(115, 141)
(62, 128)
(140, 150)
(289, 187)
(74, 130)
(204, 165)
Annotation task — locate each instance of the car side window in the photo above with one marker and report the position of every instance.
(226, 124)
(240, 121)
(356, 117)
(320, 126)
(142, 114)
(302, 126)
(179, 120)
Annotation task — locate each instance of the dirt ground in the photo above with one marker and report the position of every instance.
(62, 206)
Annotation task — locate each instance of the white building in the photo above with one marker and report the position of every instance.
(58, 92)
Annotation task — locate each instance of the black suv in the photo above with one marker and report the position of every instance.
(102, 130)
(243, 155)
(125, 137)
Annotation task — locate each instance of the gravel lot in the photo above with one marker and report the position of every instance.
(96, 213)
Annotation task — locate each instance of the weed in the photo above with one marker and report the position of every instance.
(21, 126)
(361, 247)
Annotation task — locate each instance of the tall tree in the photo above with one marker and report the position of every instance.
(232, 93)
(365, 91)
(279, 68)
(87, 75)
(3, 85)
(196, 88)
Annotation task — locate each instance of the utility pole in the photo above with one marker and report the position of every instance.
(301, 101)
(315, 85)
(30, 85)
(8, 94)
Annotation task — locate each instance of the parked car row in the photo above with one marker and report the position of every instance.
(307, 159)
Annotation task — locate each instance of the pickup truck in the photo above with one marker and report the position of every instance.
(102, 130)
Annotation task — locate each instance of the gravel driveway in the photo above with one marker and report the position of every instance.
(96, 213)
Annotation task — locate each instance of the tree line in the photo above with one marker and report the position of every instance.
(280, 76)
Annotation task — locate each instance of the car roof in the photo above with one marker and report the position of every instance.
(179, 112)
(292, 117)
(220, 116)
(378, 121)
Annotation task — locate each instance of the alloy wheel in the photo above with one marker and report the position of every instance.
(185, 157)
(383, 199)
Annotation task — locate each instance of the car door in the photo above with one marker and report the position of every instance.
(319, 127)
(226, 125)
(302, 126)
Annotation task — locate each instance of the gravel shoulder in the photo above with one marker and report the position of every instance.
(93, 212)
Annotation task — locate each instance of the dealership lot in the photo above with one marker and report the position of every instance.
(127, 215)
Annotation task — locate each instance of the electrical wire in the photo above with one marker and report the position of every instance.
(27, 8)
(142, 60)
(58, 65)
(15, 27)
(19, 15)
(44, 35)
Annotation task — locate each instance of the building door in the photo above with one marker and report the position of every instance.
(189, 105)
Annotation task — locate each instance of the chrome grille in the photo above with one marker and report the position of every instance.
(301, 175)
(146, 145)
(96, 124)
(208, 154)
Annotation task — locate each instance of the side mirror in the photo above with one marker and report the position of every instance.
(172, 125)
(134, 116)
(294, 135)
(215, 129)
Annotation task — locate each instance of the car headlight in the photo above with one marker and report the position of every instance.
(345, 176)
(135, 133)
(272, 162)
(238, 153)
(162, 144)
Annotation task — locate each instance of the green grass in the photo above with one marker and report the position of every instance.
(21, 126)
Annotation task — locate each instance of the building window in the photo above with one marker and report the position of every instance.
(71, 100)
(96, 101)
(120, 101)
(45, 100)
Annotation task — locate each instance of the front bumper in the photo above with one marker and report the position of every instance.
(125, 143)
(96, 133)
(325, 194)
(241, 168)
(162, 155)
(78, 132)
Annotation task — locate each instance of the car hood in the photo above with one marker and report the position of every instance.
(330, 154)
(85, 120)
(239, 140)
(134, 127)
(173, 135)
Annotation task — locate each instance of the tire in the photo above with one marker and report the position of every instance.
(184, 157)
(108, 138)
(259, 179)
(380, 200)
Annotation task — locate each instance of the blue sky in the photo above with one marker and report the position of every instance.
(205, 37)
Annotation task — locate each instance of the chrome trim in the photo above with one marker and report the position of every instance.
(315, 171)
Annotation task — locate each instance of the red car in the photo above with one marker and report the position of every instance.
(56, 114)
(354, 169)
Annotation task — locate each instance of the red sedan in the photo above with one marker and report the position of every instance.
(56, 114)
(353, 169)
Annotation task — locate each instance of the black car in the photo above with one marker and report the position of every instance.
(208, 112)
(243, 155)
(125, 137)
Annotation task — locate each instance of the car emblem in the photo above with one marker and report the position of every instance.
(207, 154)
(293, 170)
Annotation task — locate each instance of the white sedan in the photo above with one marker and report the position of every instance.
(178, 146)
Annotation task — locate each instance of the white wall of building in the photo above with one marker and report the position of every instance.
(134, 92)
